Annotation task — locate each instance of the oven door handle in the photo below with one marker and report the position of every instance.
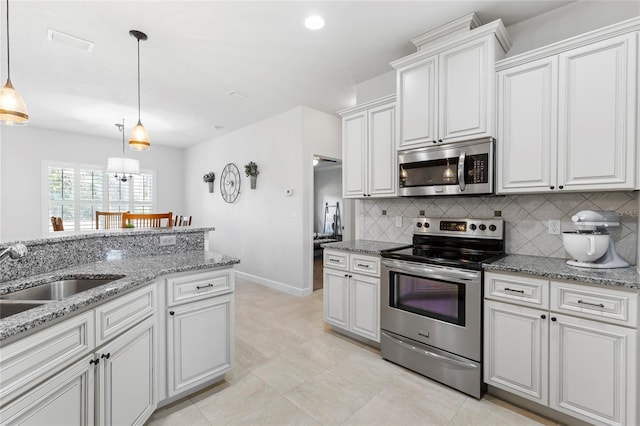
(461, 183)
(427, 272)
(431, 354)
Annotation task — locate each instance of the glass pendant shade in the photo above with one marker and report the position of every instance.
(123, 165)
(13, 110)
(139, 138)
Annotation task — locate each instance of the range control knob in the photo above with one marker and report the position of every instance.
(473, 226)
(482, 226)
(426, 224)
(419, 224)
(492, 228)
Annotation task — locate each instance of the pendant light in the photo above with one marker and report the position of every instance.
(121, 166)
(13, 111)
(139, 138)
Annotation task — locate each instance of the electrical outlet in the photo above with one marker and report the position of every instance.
(398, 221)
(168, 240)
(554, 227)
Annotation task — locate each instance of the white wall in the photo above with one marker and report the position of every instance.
(376, 87)
(24, 148)
(327, 189)
(568, 21)
(267, 230)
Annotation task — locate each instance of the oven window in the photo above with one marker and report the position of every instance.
(436, 299)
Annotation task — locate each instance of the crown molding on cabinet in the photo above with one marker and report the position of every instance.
(459, 26)
(594, 36)
(368, 105)
(495, 28)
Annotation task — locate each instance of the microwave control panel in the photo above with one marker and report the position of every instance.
(476, 167)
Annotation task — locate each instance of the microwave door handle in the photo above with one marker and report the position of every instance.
(461, 181)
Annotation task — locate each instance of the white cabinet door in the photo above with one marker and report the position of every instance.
(516, 348)
(336, 298)
(597, 115)
(593, 370)
(364, 306)
(527, 127)
(464, 89)
(382, 151)
(66, 399)
(354, 155)
(200, 342)
(127, 368)
(418, 103)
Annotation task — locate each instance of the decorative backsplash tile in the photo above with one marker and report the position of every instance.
(526, 218)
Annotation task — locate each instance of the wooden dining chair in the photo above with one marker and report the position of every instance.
(182, 221)
(110, 220)
(147, 220)
(57, 223)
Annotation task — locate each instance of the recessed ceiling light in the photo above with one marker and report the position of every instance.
(314, 22)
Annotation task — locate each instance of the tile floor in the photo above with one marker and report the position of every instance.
(292, 370)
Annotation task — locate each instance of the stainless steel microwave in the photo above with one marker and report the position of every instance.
(458, 168)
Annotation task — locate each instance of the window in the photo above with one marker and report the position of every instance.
(75, 192)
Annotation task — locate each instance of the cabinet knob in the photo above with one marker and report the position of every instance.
(543, 316)
(554, 319)
(560, 187)
(106, 355)
(552, 187)
(171, 312)
(94, 361)
(439, 140)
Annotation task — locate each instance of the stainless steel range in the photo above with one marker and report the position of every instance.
(431, 299)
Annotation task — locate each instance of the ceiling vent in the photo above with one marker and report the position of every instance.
(69, 40)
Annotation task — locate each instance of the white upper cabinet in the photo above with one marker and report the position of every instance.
(446, 90)
(369, 150)
(567, 115)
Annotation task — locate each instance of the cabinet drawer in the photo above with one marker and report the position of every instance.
(522, 290)
(123, 313)
(602, 304)
(362, 264)
(336, 259)
(34, 358)
(192, 287)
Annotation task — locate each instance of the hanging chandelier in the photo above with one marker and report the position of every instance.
(13, 110)
(139, 138)
(122, 166)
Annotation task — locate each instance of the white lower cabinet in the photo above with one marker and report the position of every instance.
(583, 364)
(352, 300)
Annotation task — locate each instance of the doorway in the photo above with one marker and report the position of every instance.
(327, 210)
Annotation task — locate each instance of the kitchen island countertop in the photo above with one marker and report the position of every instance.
(364, 246)
(555, 268)
(136, 271)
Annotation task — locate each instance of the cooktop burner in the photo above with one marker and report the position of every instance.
(462, 243)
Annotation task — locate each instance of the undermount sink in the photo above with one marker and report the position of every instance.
(12, 307)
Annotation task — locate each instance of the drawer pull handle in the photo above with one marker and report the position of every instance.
(334, 260)
(204, 286)
(94, 361)
(513, 290)
(106, 356)
(362, 265)
(597, 305)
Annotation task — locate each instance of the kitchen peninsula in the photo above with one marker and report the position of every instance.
(160, 329)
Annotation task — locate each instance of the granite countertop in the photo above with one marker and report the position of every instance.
(136, 272)
(555, 268)
(364, 246)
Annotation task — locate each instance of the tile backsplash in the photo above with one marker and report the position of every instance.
(526, 218)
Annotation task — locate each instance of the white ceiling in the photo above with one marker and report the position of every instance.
(199, 51)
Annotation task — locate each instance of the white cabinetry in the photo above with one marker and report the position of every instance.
(368, 149)
(199, 329)
(445, 92)
(575, 349)
(567, 116)
(352, 292)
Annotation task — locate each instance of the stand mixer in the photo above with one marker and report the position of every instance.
(590, 245)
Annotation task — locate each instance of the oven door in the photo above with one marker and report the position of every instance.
(438, 306)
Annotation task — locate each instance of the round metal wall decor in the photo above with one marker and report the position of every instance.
(230, 183)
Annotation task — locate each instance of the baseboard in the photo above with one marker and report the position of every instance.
(285, 288)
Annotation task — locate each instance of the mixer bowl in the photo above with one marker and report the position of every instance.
(585, 247)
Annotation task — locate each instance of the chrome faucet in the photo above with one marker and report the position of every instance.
(15, 251)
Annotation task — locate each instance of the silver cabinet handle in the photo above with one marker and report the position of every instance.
(204, 286)
(361, 265)
(431, 354)
(461, 182)
(334, 260)
(513, 290)
(597, 305)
